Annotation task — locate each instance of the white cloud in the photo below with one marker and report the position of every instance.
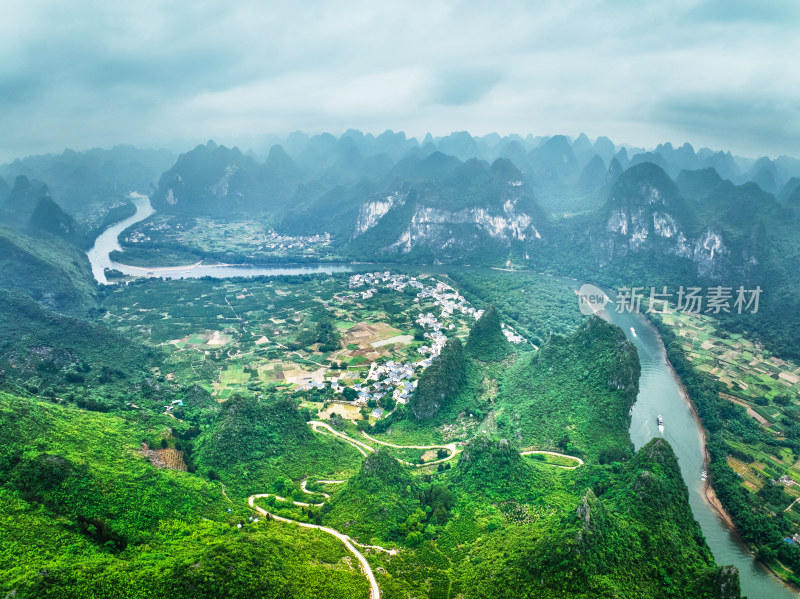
(95, 73)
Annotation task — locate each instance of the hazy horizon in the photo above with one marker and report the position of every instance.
(707, 72)
(260, 145)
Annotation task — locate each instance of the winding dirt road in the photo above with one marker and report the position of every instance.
(349, 542)
(364, 448)
(374, 589)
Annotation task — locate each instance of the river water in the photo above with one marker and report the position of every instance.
(659, 393)
(108, 241)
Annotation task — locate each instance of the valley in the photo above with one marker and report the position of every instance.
(449, 300)
(445, 424)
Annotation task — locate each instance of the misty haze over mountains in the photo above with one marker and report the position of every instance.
(548, 163)
(583, 207)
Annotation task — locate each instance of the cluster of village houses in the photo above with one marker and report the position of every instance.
(274, 241)
(398, 379)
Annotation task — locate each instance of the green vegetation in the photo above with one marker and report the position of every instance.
(52, 355)
(440, 382)
(494, 468)
(254, 441)
(537, 305)
(74, 478)
(384, 501)
(486, 340)
(746, 461)
(175, 400)
(623, 536)
(574, 395)
(49, 269)
(84, 513)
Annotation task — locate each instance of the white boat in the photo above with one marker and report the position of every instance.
(633, 331)
(660, 420)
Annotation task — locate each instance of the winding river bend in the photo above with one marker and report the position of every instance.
(659, 393)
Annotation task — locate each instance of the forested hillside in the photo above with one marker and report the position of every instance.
(84, 513)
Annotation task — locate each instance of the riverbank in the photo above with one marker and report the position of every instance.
(709, 495)
(708, 492)
(162, 268)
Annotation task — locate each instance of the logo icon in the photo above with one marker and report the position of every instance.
(591, 299)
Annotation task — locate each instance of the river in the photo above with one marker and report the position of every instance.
(108, 241)
(659, 393)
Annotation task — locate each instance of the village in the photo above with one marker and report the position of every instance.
(241, 237)
(399, 379)
(251, 338)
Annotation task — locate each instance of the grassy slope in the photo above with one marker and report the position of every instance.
(254, 442)
(637, 539)
(52, 353)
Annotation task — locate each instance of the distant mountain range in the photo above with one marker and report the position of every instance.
(611, 214)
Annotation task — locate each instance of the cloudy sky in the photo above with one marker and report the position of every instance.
(720, 73)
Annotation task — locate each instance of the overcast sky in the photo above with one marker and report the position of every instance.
(719, 73)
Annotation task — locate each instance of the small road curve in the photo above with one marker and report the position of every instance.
(316, 425)
(304, 490)
(451, 447)
(562, 455)
(364, 448)
(300, 503)
(374, 589)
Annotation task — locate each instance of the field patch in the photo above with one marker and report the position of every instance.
(165, 458)
(202, 339)
(402, 339)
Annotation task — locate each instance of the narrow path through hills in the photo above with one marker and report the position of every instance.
(323, 428)
(363, 447)
(451, 447)
(304, 490)
(349, 543)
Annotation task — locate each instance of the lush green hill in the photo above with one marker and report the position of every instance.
(49, 218)
(574, 394)
(71, 358)
(20, 202)
(440, 382)
(252, 442)
(633, 536)
(494, 468)
(486, 340)
(52, 271)
(81, 180)
(376, 501)
(219, 181)
(534, 305)
(83, 513)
